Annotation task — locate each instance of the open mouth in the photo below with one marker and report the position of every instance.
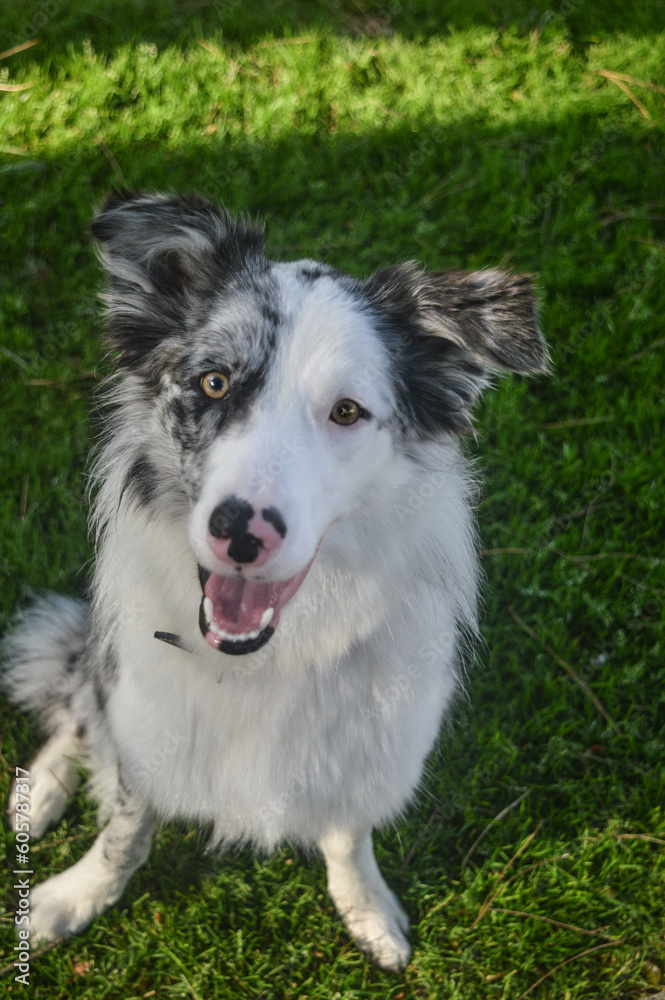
(238, 615)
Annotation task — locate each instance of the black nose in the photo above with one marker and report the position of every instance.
(230, 519)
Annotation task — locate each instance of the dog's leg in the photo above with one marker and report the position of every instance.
(66, 903)
(369, 909)
(51, 779)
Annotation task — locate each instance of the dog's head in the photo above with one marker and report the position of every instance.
(280, 393)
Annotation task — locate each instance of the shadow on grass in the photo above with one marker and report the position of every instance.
(457, 195)
(534, 197)
(110, 24)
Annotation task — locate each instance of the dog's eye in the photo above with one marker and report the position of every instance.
(345, 412)
(215, 385)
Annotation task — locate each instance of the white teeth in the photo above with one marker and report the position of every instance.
(266, 618)
(208, 609)
(221, 633)
(232, 636)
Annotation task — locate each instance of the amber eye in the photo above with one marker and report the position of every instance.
(215, 385)
(345, 411)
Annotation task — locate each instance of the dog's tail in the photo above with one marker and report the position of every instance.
(42, 657)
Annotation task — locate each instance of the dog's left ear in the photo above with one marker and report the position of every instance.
(452, 329)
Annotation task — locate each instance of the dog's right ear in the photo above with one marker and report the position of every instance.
(158, 251)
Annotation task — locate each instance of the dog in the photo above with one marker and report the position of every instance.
(286, 577)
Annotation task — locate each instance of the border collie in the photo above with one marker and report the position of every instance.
(286, 574)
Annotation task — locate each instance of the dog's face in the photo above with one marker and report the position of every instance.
(278, 391)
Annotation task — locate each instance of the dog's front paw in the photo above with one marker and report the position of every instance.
(379, 930)
(64, 905)
(370, 910)
(379, 925)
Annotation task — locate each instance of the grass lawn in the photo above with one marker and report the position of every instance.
(467, 134)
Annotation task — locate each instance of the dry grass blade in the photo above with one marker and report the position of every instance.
(581, 954)
(495, 892)
(640, 836)
(34, 954)
(628, 92)
(189, 986)
(554, 923)
(574, 422)
(19, 48)
(529, 868)
(65, 380)
(296, 40)
(499, 816)
(647, 210)
(569, 670)
(508, 550)
(594, 556)
(209, 47)
(640, 354)
(642, 585)
(117, 170)
(56, 843)
(13, 357)
(624, 78)
(14, 88)
(610, 760)
(583, 511)
(183, 969)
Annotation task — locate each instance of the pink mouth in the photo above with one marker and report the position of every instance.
(238, 615)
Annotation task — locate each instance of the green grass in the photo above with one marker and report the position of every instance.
(367, 135)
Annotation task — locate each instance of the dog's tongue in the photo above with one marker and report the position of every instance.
(241, 606)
